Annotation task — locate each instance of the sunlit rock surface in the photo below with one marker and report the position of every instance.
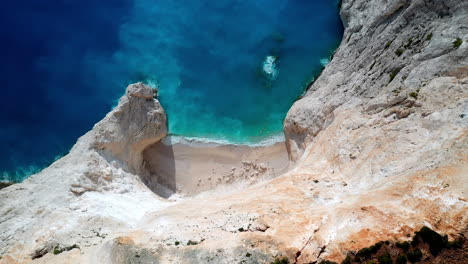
(378, 146)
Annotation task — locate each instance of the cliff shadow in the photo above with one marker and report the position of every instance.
(160, 175)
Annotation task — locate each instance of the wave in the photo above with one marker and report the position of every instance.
(19, 174)
(324, 61)
(213, 142)
(269, 66)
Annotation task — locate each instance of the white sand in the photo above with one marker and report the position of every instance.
(193, 168)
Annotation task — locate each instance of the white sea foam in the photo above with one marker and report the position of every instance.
(209, 142)
(324, 61)
(153, 83)
(20, 173)
(270, 67)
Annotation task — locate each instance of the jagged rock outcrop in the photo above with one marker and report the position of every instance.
(136, 123)
(379, 145)
(74, 196)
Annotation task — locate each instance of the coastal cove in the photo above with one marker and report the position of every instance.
(227, 71)
(370, 165)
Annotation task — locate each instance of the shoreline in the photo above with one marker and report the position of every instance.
(189, 167)
(172, 139)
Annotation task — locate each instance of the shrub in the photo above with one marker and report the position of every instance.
(394, 73)
(374, 248)
(414, 95)
(398, 52)
(436, 242)
(5, 184)
(248, 255)
(429, 37)
(403, 245)
(415, 241)
(364, 253)
(57, 250)
(455, 244)
(414, 256)
(327, 262)
(457, 43)
(385, 259)
(192, 243)
(409, 43)
(177, 243)
(401, 260)
(388, 44)
(347, 260)
(283, 260)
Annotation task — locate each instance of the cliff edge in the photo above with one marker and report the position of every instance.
(378, 146)
(89, 189)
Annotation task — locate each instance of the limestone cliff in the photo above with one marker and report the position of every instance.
(379, 146)
(393, 59)
(70, 193)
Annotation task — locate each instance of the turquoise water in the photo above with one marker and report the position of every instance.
(208, 58)
(225, 69)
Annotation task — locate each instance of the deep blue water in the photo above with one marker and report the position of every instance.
(65, 62)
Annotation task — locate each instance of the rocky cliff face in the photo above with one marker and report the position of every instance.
(379, 146)
(136, 123)
(72, 200)
(393, 56)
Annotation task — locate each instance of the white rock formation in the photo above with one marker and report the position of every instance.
(379, 144)
(90, 190)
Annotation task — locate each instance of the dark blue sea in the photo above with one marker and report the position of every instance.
(226, 69)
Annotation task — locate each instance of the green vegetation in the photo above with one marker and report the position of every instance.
(248, 255)
(415, 255)
(364, 253)
(385, 259)
(386, 252)
(409, 43)
(399, 51)
(177, 243)
(347, 260)
(457, 43)
(429, 37)
(436, 242)
(401, 259)
(5, 184)
(455, 244)
(192, 243)
(394, 73)
(57, 249)
(414, 95)
(403, 245)
(388, 44)
(374, 248)
(327, 262)
(242, 229)
(283, 260)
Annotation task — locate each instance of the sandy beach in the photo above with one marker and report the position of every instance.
(193, 167)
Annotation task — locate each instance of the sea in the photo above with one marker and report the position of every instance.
(226, 70)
